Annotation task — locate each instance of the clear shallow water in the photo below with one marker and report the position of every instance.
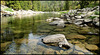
(24, 36)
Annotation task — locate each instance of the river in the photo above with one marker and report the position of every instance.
(23, 35)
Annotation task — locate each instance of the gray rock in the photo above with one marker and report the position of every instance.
(97, 24)
(59, 22)
(54, 23)
(96, 19)
(57, 38)
(87, 20)
(78, 17)
(56, 18)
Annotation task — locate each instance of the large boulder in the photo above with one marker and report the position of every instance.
(57, 38)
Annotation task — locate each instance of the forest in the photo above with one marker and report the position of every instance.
(49, 5)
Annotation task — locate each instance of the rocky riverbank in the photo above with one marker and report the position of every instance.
(19, 13)
(80, 17)
(76, 26)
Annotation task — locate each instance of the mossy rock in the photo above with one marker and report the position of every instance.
(92, 47)
(94, 40)
(59, 30)
(75, 36)
(20, 41)
(17, 31)
(44, 31)
(83, 31)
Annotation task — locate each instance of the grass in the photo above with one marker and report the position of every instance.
(63, 12)
(97, 13)
(8, 9)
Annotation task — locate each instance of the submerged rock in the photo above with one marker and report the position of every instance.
(94, 40)
(5, 45)
(75, 36)
(57, 38)
(92, 47)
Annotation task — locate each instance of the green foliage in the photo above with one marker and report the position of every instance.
(14, 4)
(8, 9)
(92, 17)
(50, 5)
(97, 13)
(64, 12)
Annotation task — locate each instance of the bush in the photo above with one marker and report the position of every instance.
(8, 9)
(64, 12)
(96, 12)
(92, 17)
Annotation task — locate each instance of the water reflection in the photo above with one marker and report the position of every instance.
(12, 48)
(30, 42)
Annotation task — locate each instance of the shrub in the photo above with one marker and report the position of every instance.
(8, 9)
(92, 17)
(96, 12)
(64, 12)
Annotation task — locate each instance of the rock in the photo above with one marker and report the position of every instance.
(75, 36)
(57, 38)
(97, 24)
(57, 52)
(50, 19)
(59, 30)
(83, 31)
(78, 23)
(61, 51)
(89, 13)
(85, 51)
(92, 47)
(81, 45)
(91, 40)
(56, 18)
(76, 42)
(87, 20)
(78, 17)
(96, 19)
(61, 25)
(49, 51)
(44, 31)
(54, 23)
(5, 45)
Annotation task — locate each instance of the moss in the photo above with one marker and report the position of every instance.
(83, 30)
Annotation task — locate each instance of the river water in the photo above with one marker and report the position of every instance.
(23, 36)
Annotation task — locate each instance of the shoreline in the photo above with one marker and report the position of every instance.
(24, 13)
